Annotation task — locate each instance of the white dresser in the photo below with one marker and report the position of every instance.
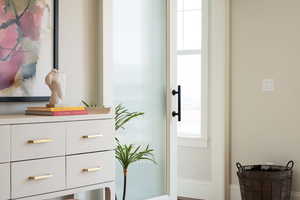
(49, 157)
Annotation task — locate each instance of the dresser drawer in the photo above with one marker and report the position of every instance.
(88, 169)
(37, 141)
(37, 177)
(89, 136)
(4, 144)
(4, 181)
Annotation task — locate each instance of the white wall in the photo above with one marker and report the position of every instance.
(194, 171)
(194, 163)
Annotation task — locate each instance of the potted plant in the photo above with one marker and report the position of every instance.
(127, 154)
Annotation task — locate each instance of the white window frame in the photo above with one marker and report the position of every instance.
(200, 141)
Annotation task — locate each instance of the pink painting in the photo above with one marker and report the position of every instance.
(26, 45)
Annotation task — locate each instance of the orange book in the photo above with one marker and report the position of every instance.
(78, 108)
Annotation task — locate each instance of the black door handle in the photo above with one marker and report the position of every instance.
(178, 113)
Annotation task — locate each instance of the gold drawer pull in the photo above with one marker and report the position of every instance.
(91, 169)
(40, 141)
(91, 136)
(42, 177)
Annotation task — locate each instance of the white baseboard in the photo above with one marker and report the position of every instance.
(236, 195)
(193, 189)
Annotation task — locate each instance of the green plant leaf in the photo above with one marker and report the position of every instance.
(123, 116)
(85, 104)
(89, 105)
(129, 154)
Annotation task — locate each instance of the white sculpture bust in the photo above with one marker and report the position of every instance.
(55, 81)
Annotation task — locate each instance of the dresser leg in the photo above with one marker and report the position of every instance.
(110, 193)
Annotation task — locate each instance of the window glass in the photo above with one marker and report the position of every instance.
(192, 4)
(189, 38)
(192, 30)
(180, 34)
(189, 77)
(180, 5)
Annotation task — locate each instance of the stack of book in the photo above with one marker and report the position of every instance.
(56, 111)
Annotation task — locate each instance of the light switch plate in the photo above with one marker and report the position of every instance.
(268, 85)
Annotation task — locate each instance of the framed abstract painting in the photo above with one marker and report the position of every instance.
(28, 48)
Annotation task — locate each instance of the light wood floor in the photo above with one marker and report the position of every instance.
(184, 198)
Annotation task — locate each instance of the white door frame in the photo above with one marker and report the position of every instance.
(171, 102)
(105, 48)
(218, 97)
(218, 90)
(218, 109)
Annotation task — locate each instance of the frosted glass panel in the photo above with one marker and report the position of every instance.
(139, 84)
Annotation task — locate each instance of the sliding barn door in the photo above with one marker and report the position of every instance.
(141, 83)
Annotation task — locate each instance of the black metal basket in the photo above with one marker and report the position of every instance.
(265, 182)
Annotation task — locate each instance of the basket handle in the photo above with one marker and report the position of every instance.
(240, 167)
(290, 165)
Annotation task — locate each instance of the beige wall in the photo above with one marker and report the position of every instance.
(78, 54)
(78, 48)
(265, 127)
(265, 44)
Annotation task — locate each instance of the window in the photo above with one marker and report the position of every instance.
(192, 67)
